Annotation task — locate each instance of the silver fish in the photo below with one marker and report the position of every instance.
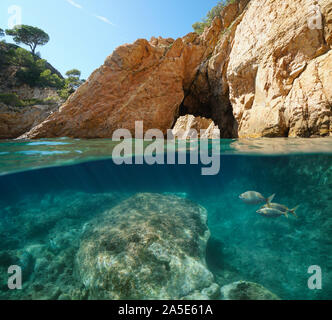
(282, 208)
(271, 212)
(253, 197)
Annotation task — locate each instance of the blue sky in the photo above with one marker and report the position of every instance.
(84, 32)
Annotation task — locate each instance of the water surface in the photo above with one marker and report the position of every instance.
(49, 189)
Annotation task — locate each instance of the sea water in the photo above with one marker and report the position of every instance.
(49, 190)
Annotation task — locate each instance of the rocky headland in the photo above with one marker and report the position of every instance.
(260, 70)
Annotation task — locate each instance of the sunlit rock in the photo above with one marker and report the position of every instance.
(189, 126)
(260, 70)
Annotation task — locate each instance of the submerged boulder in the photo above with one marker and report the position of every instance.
(243, 290)
(150, 246)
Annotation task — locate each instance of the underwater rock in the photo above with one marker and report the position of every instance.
(150, 246)
(6, 259)
(211, 293)
(52, 276)
(26, 262)
(57, 213)
(46, 247)
(243, 290)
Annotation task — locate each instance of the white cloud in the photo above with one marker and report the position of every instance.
(101, 18)
(74, 4)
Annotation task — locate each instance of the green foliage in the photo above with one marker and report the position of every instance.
(3, 55)
(72, 83)
(28, 35)
(32, 102)
(199, 27)
(32, 71)
(2, 33)
(47, 79)
(21, 57)
(64, 94)
(73, 73)
(214, 12)
(10, 99)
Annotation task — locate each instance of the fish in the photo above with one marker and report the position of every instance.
(271, 212)
(253, 197)
(282, 208)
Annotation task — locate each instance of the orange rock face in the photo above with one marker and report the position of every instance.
(260, 70)
(278, 69)
(144, 81)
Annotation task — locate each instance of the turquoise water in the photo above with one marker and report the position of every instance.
(50, 189)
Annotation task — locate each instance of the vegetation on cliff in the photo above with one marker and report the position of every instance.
(28, 68)
(12, 99)
(71, 83)
(214, 12)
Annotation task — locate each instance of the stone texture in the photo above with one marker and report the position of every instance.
(26, 92)
(309, 103)
(273, 50)
(258, 71)
(211, 293)
(189, 126)
(209, 93)
(46, 247)
(16, 121)
(244, 290)
(141, 81)
(148, 247)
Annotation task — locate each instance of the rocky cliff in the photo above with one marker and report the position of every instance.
(14, 121)
(263, 69)
(22, 106)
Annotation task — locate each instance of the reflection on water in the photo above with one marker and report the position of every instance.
(53, 152)
(280, 146)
